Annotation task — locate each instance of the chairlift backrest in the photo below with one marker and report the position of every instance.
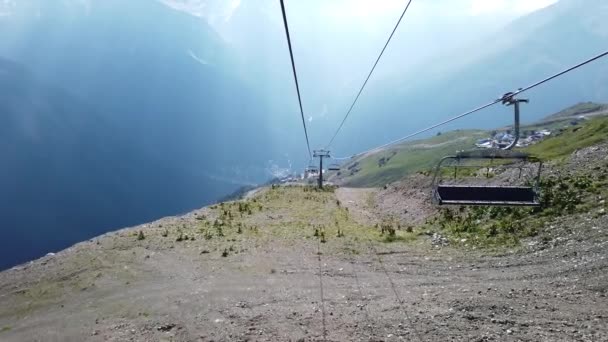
(312, 169)
(488, 195)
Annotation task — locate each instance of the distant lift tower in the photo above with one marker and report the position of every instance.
(321, 154)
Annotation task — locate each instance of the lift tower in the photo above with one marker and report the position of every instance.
(321, 154)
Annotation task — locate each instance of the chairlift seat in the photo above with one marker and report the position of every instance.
(486, 195)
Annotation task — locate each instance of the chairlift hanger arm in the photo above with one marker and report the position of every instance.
(509, 99)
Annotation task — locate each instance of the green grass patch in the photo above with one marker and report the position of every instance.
(296, 213)
(395, 163)
(6, 328)
(563, 144)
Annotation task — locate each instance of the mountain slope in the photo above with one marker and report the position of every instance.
(116, 113)
(69, 174)
(391, 164)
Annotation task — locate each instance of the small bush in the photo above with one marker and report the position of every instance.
(141, 236)
(220, 231)
(388, 229)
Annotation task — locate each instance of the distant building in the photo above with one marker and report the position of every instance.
(504, 139)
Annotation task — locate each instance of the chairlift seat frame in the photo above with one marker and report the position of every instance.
(487, 195)
(312, 169)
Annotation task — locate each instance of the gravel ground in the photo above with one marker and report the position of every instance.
(352, 290)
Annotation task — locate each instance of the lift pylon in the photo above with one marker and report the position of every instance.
(321, 154)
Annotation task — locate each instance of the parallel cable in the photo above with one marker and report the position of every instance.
(369, 75)
(603, 54)
(321, 290)
(519, 91)
(366, 310)
(342, 158)
(295, 76)
(430, 127)
(394, 288)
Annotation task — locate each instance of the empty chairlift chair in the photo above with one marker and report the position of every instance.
(334, 167)
(312, 170)
(483, 192)
(461, 191)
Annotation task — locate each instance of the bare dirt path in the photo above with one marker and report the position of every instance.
(407, 201)
(361, 203)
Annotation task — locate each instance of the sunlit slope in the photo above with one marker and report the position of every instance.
(593, 132)
(394, 163)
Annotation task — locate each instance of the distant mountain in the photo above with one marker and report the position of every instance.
(57, 178)
(161, 74)
(529, 49)
(583, 108)
(114, 113)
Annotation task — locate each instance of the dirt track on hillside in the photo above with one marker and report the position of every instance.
(406, 201)
(286, 291)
